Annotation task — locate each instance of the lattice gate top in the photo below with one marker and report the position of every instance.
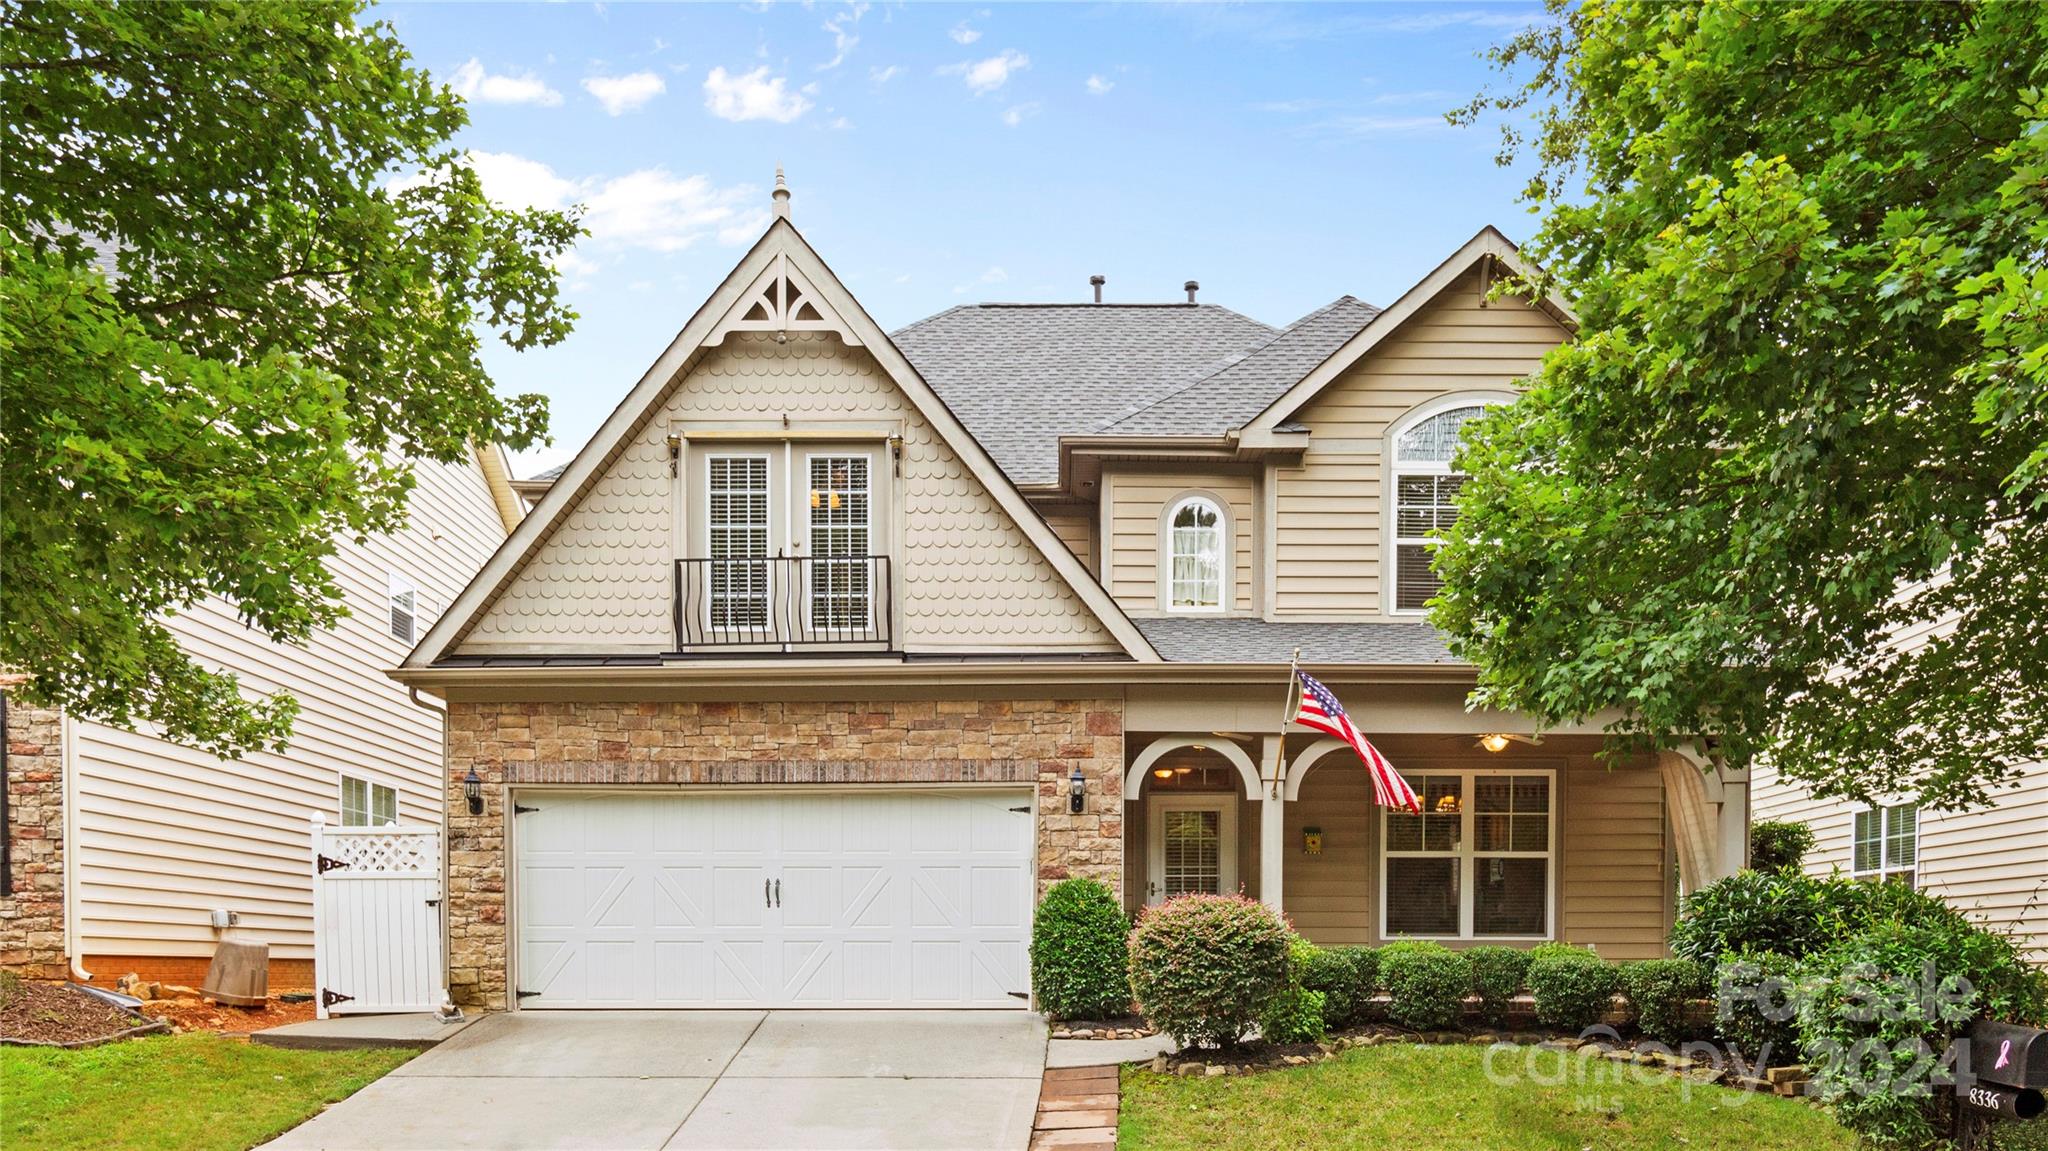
(381, 852)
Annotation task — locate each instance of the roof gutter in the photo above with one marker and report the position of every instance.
(921, 674)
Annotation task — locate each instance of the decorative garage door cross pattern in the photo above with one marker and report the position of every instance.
(815, 899)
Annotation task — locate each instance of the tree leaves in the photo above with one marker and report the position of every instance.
(1806, 246)
(226, 326)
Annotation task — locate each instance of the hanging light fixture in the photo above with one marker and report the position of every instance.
(1495, 741)
(473, 791)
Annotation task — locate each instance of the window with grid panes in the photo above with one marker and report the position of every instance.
(1477, 863)
(839, 542)
(736, 501)
(1886, 844)
(1426, 488)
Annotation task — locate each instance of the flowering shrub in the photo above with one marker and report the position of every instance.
(1077, 952)
(1205, 968)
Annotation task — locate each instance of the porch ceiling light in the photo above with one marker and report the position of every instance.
(1162, 773)
(1495, 741)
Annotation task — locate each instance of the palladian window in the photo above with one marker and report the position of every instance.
(1196, 544)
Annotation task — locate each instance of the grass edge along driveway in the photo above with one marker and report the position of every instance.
(196, 1090)
(1431, 1098)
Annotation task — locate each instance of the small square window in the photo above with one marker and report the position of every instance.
(404, 609)
(366, 804)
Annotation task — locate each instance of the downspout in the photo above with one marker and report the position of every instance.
(74, 945)
(446, 1010)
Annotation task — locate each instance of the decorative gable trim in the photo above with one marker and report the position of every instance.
(781, 300)
(779, 259)
(1493, 252)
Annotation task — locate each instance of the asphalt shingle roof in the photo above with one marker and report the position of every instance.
(549, 476)
(1187, 639)
(1020, 376)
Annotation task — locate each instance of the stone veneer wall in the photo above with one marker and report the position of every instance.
(32, 919)
(1036, 741)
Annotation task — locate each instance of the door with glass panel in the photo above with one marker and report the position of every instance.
(838, 573)
(1192, 845)
(738, 592)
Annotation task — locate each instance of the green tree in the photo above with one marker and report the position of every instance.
(242, 273)
(1805, 243)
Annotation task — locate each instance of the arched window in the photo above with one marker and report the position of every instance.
(1196, 545)
(1425, 494)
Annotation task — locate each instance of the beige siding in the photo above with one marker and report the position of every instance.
(1328, 539)
(1076, 529)
(1992, 862)
(165, 834)
(968, 577)
(1614, 886)
(1333, 898)
(1134, 533)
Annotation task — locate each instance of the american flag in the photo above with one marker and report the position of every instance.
(1318, 708)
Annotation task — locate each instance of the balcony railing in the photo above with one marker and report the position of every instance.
(787, 602)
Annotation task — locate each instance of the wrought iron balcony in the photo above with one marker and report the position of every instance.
(791, 603)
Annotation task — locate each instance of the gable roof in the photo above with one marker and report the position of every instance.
(1241, 389)
(1488, 245)
(780, 243)
(1023, 375)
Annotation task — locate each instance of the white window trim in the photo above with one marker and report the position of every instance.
(1883, 873)
(395, 585)
(1227, 557)
(1390, 581)
(370, 785)
(1467, 861)
(1155, 838)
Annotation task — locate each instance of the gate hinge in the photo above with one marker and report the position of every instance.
(330, 998)
(524, 994)
(328, 864)
(1018, 994)
(1025, 809)
(522, 809)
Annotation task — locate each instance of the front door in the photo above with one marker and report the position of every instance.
(1192, 845)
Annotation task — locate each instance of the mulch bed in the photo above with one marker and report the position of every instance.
(51, 1013)
(194, 1014)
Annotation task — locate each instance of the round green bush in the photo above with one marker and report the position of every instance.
(1297, 1016)
(1498, 975)
(1794, 914)
(1756, 1006)
(1879, 1008)
(1078, 955)
(1660, 990)
(1572, 986)
(1365, 979)
(1775, 844)
(1331, 975)
(1426, 984)
(1206, 968)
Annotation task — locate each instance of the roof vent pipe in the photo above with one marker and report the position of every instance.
(1097, 282)
(1192, 288)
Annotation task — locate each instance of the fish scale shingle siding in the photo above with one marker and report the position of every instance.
(968, 577)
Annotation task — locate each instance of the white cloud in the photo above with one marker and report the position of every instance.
(650, 208)
(471, 82)
(984, 76)
(752, 96)
(622, 94)
(995, 275)
(884, 75)
(843, 39)
(1385, 125)
(1432, 21)
(1098, 85)
(1016, 114)
(962, 34)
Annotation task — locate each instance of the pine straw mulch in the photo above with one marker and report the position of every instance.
(39, 1013)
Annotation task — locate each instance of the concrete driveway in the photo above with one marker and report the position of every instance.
(705, 1079)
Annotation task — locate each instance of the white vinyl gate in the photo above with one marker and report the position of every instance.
(376, 919)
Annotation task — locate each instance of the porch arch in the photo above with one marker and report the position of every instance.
(1134, 779)
(1309, 757)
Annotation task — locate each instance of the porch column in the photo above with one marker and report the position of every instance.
(1272, 823)
(1709, 808)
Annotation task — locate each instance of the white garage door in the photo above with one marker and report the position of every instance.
(808, 899)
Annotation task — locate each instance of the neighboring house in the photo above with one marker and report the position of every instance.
(833, 648)
(122, 846)
(1991, 862)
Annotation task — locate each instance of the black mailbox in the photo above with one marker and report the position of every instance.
(2009, 1055)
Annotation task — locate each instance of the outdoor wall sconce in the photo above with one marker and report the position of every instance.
(473, 791)
(1077, 792)
(1312, 841)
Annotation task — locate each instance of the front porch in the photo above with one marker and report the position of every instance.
(1529, 843)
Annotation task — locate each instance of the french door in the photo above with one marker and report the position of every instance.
(791, 548)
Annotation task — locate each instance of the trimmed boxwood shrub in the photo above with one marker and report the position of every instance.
(1572, 986)
(1078, 958)
(1878, 1009)
(1331, 975)
(1775, 844)
(1426, 984)
(1660, 989)
(1756, 1005)
(1297, 1016)
(1365, 978)
(1205, 968)
(1498, 975)
(1795, 914)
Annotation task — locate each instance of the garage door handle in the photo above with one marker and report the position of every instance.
(778, 893)
(766, 901)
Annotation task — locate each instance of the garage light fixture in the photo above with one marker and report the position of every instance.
(473, 791)
(1077, 792)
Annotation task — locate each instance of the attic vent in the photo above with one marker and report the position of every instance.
(1192, 288)
(1096, 282)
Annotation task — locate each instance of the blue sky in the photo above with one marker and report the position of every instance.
(944, 154)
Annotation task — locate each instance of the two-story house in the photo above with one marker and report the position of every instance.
(834, 647)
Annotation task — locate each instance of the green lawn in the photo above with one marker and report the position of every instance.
(1441, 1099)
(194, 1091)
